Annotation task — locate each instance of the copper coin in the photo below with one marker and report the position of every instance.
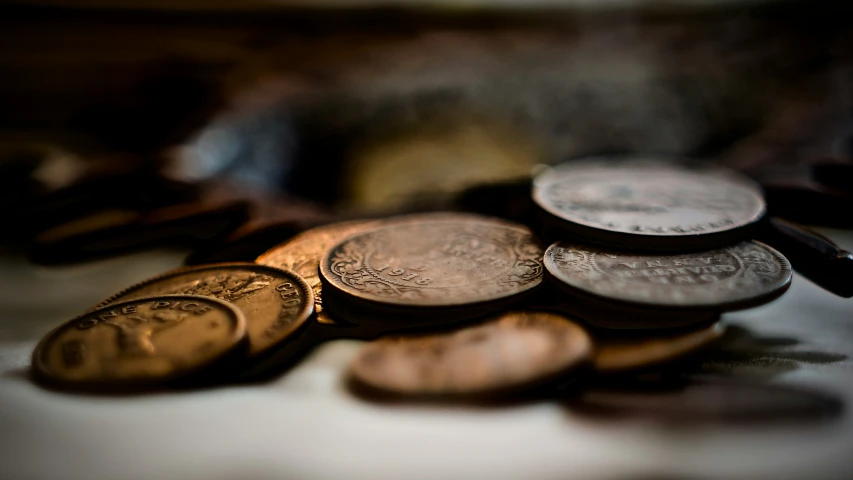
(622, 353)
(512, 351)
(647, 203)
(740, 276)
(459, 262)
(140, 342)
(302, 254)
(276, 302)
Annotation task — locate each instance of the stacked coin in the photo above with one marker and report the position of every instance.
(647, 255)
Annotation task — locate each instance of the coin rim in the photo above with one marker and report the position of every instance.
(42, 373)
(306, 313)
(740, 303)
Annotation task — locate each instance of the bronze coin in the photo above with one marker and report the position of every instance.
(615, 354)
(647, 203)
(512, 351)
(740, 276)
(276, 302)
(139, 342)
(459, 262)
(302, 254)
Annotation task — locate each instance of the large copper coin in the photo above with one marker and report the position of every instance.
(647, 203)
(740, 276)
(302, 254)
(276, 302)
(505, 354)
(139, 342)
(615, 354)
(438, 268)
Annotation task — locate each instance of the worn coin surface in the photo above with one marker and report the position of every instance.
(508, 352)
(622, 353)
(302, 254)
(648, 203)
(140, 342)
(435, 263)
(276, 302)
(740, 276)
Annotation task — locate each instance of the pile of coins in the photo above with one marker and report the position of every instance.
(642, 257)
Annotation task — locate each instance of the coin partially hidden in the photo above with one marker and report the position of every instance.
(433, 271)
(140, 343)
(616, 354)
(508, 353)
(647, 203)
(744, 275)
(275, 302)
(303, 252)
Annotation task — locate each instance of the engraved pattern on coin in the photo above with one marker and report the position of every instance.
(705, 279)
(276, 302)
(648, 197)
(139, 341)
(303, 252)
(436, 263)
(512, 350)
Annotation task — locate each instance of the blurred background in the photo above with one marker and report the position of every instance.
(356, 105)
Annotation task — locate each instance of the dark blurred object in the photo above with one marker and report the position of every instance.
(509, 200)
(833, 173)
(273, 221)
(794, 193)
(812, 255)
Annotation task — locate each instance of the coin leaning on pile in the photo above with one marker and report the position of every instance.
(478, 307)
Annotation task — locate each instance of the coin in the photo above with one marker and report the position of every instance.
(622, 353)
(302, 254)
(435, 270)
(647, 203)
(140, 342)
(505, 354)
(740, 276)
(276, 302)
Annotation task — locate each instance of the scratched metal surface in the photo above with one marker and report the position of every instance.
(307, 424)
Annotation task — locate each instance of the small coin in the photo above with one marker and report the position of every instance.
(276, 302)
(615, 354)
(470, 264)
(302, 254)
(509, 352)
(740, 276)
(647, 203)
(140, 342)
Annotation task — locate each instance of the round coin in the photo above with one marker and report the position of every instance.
(302, 254)
(744, 275)
(140, 342)
(615, 354)
(647, 203)
(276, 302)
(513, 351)
(434, 270)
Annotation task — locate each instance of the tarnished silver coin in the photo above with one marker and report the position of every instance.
(457, 266)
(647, 203)
(740, 276)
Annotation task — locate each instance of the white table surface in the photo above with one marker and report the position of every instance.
(306, 424)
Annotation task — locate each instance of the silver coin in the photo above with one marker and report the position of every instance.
(647, 202)
(740, 276)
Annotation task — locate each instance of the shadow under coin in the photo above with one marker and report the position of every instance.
(743, 354)
(703, 401)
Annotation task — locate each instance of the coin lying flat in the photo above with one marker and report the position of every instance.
(647, 203)
(276, 302)
(740, 276)
(140, 342)
(511, 351)
(619, 354)
(302, 254)
(434, 270)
